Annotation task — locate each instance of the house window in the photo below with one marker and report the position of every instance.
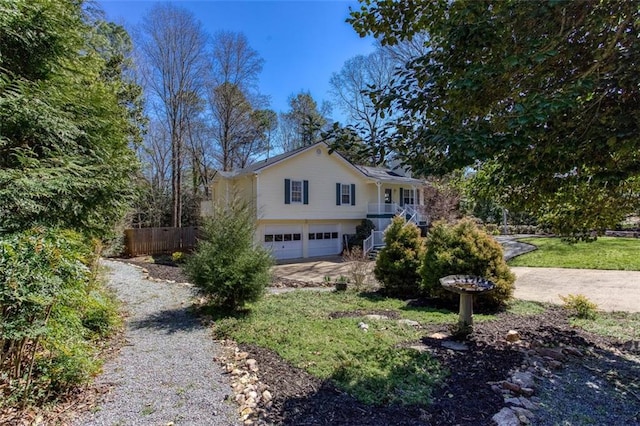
(408, 197)
(268, 238)
(296, 191)
(346, 194)
(387, 195)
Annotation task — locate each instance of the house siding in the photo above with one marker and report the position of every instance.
(322, 173)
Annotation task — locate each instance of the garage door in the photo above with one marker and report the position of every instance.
(285, 242)
(324, 240)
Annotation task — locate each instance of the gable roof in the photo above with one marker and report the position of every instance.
(373, 173)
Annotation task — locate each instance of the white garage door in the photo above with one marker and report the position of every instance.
(324, 240)
(285, 242)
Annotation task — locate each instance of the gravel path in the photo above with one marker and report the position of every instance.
(165, 374)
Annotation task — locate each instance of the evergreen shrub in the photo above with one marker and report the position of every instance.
(398, 263)
(465, 249)
(226, 265)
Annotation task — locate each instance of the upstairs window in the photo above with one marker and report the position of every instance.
(296, 191)
(345, 194)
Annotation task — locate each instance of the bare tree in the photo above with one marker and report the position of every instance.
(233, 99)
(350, 91)
(173, 46)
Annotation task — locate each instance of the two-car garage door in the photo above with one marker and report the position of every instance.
(286, 242)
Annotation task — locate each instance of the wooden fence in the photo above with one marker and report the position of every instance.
(149, 241)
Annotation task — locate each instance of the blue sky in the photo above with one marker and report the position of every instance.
(302, 42)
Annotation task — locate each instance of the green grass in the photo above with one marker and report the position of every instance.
(622, 325)
(372, 366)
(369, 365)
(604, 253)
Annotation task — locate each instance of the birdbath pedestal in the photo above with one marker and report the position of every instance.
(466, 286)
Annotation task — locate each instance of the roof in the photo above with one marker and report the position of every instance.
(374, 173)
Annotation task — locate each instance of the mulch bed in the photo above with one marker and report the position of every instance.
(463, 399)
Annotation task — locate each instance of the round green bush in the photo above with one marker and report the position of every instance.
(398, 263)
(463, 248)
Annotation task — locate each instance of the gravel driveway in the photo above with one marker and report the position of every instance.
(166, 373)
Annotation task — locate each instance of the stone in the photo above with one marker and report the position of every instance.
(512, 336)
(527, 391)
(506, 417)
(419, 348)
(409, 322)
(511, 387)
(524, 379)
(525, 416)
(496, 389)
(526, 403)
(456, 346)
(363, 326)
(266, 396)
(513, 401)
(439, 335)
(376, 317)
(554, 353)
(252, 364)
(241, 355)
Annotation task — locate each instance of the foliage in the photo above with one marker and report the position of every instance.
(65, 129)
(178, 257)
(580, 306)
(465, 249)
(399, 260)
(371, 366)
(624, 326)
(303, 123)
(363, 231)
(51, 309)
(604, 253)
(543, 95)
(227, 266)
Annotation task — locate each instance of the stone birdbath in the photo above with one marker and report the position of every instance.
(466, 286)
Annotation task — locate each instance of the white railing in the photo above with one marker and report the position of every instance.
(376, 239)
(382, 208)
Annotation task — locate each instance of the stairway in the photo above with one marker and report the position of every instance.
(373, 253)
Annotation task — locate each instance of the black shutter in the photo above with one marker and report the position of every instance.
(401, 198)
(338, 194)
(353, 194)
(287, 191)
(305, 191)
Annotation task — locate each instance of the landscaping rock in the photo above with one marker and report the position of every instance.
(524, 379)
(363, 326)
(376, 317)
(409, 322)
(456, 346)
(506, 417)
(512, 336)
(440, 336)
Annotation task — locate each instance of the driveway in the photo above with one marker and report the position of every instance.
(611, 290)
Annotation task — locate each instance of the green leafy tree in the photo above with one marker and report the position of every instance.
(464, 249)
(546, 94)
(227, 266)
(399, 261)
(303, 123)
(64, 129)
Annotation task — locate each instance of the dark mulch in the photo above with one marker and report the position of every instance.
(464, 398)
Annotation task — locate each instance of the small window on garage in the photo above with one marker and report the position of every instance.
(312, 235)
(296, 237)
(288, 237)
(334, 235)
(268, 238)
(319, 235)
(278, 237)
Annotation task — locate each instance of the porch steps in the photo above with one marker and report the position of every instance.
(373, 254)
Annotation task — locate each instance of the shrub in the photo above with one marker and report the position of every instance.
(465, 249)
(398, 263)
(177, 257)
(227, 266)
(48, 298)
(363, 231)
(358, 267)
(580, 306)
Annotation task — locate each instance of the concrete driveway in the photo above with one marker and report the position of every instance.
(611, 290)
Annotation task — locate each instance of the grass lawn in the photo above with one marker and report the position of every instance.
(622, 325)
(369, 365)
(604, 253)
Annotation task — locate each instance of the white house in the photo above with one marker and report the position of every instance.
(308, 199)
